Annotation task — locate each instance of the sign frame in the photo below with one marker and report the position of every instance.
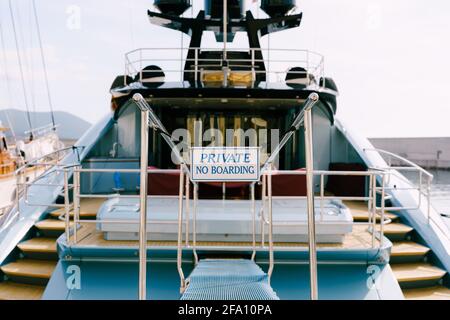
(258, 167)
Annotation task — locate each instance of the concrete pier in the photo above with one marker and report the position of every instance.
(432, 153)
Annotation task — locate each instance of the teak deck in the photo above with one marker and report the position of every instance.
(87, 235)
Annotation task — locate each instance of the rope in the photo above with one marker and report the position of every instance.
(44, 65)
(21, 68)
(8, 85)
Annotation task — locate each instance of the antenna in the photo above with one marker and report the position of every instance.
(225, 25)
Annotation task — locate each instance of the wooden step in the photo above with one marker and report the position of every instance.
(18, 291)
(29, 268)
(363, 216)
(83, 215)
(429, 293)
(38, 245)
(51, 225)
(397, 228)
(359, 210)
(88, 208)
(413, 272)
(408, 249)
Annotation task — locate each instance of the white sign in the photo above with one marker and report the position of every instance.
(225, 164)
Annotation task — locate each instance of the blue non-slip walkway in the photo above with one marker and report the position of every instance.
(228, 279)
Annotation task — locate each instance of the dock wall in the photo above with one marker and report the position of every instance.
(431, 153)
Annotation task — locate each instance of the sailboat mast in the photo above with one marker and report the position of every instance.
(44, 65)
(21, 69)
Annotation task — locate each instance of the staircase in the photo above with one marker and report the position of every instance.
(418, 278)
(27, 276)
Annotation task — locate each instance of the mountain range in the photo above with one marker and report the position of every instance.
(70, 126)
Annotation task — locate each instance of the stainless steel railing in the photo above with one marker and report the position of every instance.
(370, 199)
(42, 130)
(38, 168)
(172, 61)
(423, 187)
(78, 196)
(148, 119)
(424, 177)
(50, 163)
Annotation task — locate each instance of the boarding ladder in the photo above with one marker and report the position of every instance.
(225, 279)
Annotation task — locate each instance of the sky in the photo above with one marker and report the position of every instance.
(389, 58)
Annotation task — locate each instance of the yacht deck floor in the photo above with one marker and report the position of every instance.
(89, 236)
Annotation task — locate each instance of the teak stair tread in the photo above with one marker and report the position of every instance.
(408, 248)
(359, 211)
(57, 213)
(41, 245)
(429, 293)
(406, 272)
(41, 269)
(396, 228)
(51, 224)
(19, 291)
(88, 208)
(364, 216)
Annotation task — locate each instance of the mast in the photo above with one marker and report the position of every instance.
(22, 77)
(44, 65)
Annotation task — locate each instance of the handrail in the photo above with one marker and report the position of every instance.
(412, 164)
(426, 193)
(311, 61)
(370, 198)
(36, 160)
(77, 195)
(43, 129)
(295, 125)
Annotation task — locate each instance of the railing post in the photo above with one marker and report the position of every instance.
(143, 207)
(187, 220)
(67, 204)
(322, 193)
(420, 187)
(252, 50)
(270, 227)
(382, 210)
(194, 223)
(76, 201)
(429, 198)
(370, 208)
(18, 185)
(310, 203)
(180, 233)
(252, 191)
(196, 64)
(263, 207)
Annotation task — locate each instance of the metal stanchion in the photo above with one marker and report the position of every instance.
(143, 207)
(180, 233)
(310, 202)
(252, 191)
